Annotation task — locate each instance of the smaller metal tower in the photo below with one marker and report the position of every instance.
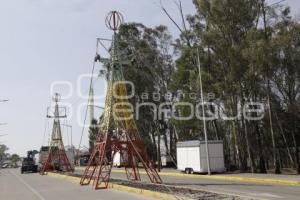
(57, 159)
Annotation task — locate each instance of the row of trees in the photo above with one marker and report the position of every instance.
(14, 158)
(249, 52)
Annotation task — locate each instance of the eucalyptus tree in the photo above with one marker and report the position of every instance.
(285, 80)
(220, 29)
(148, 64)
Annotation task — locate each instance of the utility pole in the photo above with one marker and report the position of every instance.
(203, 113)
(1, 124)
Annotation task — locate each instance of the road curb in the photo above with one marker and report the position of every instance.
(152, 194)
(227, 178)
(143, 192)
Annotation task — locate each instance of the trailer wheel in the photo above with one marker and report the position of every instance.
(191, 171)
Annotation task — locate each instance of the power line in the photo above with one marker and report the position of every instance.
(3, 135)
(276, 3)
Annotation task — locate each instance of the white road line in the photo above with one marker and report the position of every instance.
(29, 187)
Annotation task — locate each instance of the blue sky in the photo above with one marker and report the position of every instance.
(43, 41)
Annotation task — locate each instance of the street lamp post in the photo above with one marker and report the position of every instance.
(203, 113)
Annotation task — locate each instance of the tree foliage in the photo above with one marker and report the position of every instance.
(249, 52)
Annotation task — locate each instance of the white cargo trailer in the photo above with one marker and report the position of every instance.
(117, 162)
(70, 152)
(191, 156)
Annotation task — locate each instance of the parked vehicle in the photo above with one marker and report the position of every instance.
(191, 156)
(28, 163)
(42, 156)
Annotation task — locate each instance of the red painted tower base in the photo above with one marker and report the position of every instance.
(132, 153)
(59, 158)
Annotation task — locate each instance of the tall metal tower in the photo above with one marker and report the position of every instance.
(57, 159)
(118, 130)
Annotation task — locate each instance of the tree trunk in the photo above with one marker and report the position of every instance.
(284, 139)
(297, 161)
(275, 159)
(152, 132)
(171, 131)
(248, 146)
(158, 152)
(262, 164)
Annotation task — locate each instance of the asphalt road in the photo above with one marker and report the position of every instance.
(16, 186)
(255, 190)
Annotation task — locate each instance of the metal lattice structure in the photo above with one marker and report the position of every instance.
(118, 130)
(57, 159)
